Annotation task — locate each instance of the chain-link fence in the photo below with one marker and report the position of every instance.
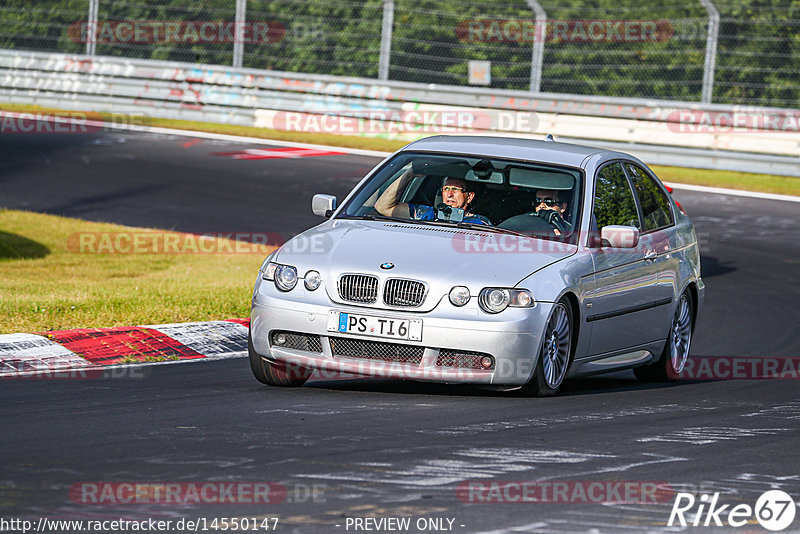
(723, 51)
(758, 59)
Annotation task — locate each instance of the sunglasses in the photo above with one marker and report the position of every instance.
(547, 201)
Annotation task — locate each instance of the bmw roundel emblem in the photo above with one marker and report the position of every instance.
(387, 265)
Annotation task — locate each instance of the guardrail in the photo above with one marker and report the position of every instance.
(666, 132)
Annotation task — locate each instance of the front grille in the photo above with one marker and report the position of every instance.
(463, 359)
(376, 350)
(297, 341)
(358, 288)
(400, 292)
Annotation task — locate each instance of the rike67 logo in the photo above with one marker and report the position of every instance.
(774, 510)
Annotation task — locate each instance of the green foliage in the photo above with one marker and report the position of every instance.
(614, 203)
(758, 51)
(319, 36)
(41, 26)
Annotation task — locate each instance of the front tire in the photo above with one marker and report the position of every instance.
(274, 373)
(555, 354)
(676, 350)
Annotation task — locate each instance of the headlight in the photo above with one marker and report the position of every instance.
(459, 295)
(494, 300)
(497, 299)
(285, 277)
(521, 298)
(312, 280)
(269, 271)
(266, 265)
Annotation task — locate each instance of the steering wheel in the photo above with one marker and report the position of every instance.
(555, 219)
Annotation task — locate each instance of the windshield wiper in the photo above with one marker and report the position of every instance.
(371, 217)
(488, 228)
(472, 226)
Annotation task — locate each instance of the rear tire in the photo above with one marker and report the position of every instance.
(555, 354)
(676, 350)
(275, 373)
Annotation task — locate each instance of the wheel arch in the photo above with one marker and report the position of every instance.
(575, 308)
(691, 287)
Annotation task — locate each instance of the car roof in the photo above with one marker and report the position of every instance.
(554, 152)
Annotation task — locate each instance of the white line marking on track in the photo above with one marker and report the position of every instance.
(279, 153)
(734, 192)
(708, 435)
(790, 410)
(245, 139)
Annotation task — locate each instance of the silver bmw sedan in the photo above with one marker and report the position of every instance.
(502, 262)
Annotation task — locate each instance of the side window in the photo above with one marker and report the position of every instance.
(613, 198)
(655, 204)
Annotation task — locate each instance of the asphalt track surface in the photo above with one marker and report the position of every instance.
(372, 448)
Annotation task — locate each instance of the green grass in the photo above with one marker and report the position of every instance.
(48, 283)
(766, 183)
(133, 358)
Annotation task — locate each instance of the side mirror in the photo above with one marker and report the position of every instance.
(619, 236)
(323, 205)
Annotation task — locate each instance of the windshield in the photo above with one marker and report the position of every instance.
(518, 197)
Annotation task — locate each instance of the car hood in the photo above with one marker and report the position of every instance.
(441, 256)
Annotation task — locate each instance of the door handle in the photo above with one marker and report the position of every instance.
(650, 255)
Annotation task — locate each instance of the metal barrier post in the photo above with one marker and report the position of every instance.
(386, 39)
(238, 40)
(711, 50)
(91, 28)
(540, 34)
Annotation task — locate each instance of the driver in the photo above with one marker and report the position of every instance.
(548, 206)
(456, 195)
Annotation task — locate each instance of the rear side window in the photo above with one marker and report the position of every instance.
(656, 209)
(613, 198)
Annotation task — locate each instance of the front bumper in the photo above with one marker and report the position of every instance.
(512, 338)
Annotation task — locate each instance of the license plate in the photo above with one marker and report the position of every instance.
(371, 325)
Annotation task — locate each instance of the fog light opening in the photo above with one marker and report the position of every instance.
(487, 362)
(279, 339)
